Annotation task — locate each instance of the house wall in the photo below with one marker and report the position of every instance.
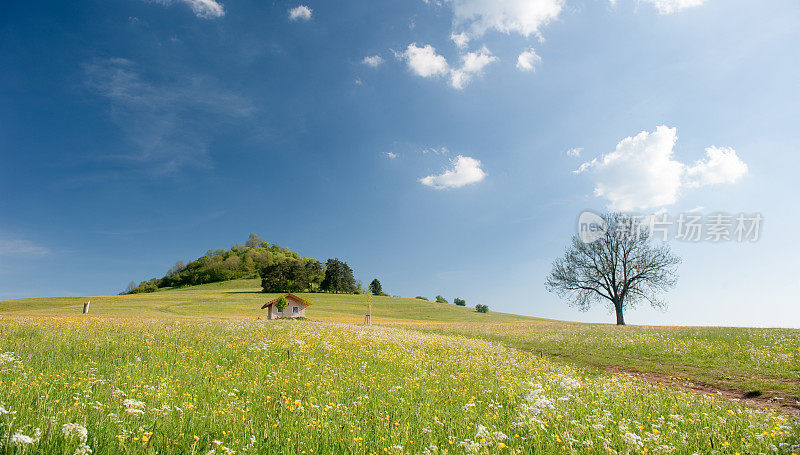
(287, 312)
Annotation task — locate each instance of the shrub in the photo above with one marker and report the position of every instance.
(460, 302)
(482, 308)
(422, 298)
(440, 299)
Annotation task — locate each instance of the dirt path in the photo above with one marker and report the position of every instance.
(770, 400)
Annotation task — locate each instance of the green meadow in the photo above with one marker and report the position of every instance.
(200, 370)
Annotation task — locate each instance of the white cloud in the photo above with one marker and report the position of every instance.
(373, 60)
(301, 12)
(528, 60)
(436, 151)
(673, 6)
(574, 152)
(390, 155)
(641, 173)
(721, 165)
(206, 8)
(424, 61)
(465, 171)
(525, 17)
(461, 40)
(473, 64)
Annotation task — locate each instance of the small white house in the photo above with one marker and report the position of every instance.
(295, 308)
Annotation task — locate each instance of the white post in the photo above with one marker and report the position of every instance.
(86, 307)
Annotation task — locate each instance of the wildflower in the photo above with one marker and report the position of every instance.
(19, 440)
(83, 449)
(5, 411)
(74, 429)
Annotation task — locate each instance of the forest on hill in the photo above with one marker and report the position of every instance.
(241, 261)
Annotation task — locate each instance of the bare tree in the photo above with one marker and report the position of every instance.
(130, 287)
(622, 267)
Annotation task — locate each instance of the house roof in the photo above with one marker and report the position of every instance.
(288, 296)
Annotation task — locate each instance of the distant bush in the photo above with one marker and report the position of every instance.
(440, 299)
(145, 286)
(482, 308)
(460, 302)
(422, 298)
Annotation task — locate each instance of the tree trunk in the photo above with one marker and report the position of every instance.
(618, 308)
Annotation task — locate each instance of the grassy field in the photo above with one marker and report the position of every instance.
(243, 298)
(753, 362)
(196, 371)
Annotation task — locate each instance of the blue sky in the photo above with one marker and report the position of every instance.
(431, 144)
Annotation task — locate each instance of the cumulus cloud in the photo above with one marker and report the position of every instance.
(425, 62)
(472, 64)
(525, 17)
(721, 165)
(642, 173)
(373, 61)
(528, 60)
(301, 12)
(207, 9)
(464, 171)
(673, 6)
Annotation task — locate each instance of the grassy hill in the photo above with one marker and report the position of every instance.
(762, 363)
(243, 298)
(199, 370)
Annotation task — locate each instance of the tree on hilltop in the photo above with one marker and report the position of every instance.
(619, 265)
(375, 287)
(338, 278)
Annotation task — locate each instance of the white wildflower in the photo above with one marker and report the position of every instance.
(75, 430)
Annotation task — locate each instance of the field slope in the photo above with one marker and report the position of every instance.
(199, 370)
(243, 298)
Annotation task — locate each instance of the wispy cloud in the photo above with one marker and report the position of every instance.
(574, 152)
(21, 247)
(373, 61)
(166, 120)
(390, 155)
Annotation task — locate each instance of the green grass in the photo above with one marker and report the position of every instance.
(242, 298)
(743, 359)
(177, 386)
(207, 372)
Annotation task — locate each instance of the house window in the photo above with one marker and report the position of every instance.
(295, 310)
